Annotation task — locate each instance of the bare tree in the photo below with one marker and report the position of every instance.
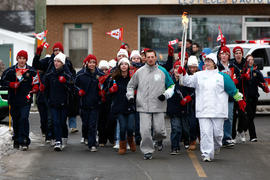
(17, 5)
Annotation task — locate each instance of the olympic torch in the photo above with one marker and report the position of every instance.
(184, 37)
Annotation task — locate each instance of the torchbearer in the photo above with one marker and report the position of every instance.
(212, 89)
(184, 36)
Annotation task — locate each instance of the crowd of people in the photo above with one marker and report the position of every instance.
(211, 99)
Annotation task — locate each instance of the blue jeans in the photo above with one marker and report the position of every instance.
(89, 120)
(176, 132)
(228, 124)
(59, 117)
(127, 123)
(20, 119)
(72, 123)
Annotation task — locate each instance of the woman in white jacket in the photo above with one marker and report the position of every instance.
(212, 89)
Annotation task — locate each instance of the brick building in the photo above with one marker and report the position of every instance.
(82, 25)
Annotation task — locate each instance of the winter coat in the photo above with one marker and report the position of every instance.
(212, 89)
(19, 95)
(174, 108)
(58, 93)
(150, 82)
(256, 78)
(120, 104)
(88, 82)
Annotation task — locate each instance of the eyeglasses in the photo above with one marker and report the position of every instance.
(56, 49)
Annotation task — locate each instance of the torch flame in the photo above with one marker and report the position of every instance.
(184, 18)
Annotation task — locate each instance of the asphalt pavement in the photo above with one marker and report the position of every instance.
(41, 162)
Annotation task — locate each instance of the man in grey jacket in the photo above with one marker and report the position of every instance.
(154, 85)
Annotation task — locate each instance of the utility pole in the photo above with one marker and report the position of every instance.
(40, 17)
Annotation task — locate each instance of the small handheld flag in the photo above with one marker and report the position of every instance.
(116, 33)
(173, 42)
(220, 35)
(42, 38)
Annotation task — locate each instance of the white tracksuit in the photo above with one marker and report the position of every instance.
(212, 89)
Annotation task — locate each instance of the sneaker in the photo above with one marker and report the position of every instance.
(101, 145)
(82, 140)
(175, 152)
(128, 147)
(206, 159)
(47, 141)
(186, 146)
(74, 130)
(233, 141)
(243, 137)
(64, 142)
(52, 142)
(93, 149)
(254, 140)
(228, 144)
(147, 156)
(116, 146)
(86, 141)
(58, 146)
(158, 145)
(24, 148)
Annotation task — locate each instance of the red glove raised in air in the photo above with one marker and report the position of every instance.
(62, 79)
(242, 105)
(170, 50)
(181, 70)
(14, 85)
(39, 50)
(185, 100)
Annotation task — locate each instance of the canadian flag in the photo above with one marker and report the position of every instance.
(45, 44)
(220, 35)
(117, 33)
(173, 42)
(41, 36)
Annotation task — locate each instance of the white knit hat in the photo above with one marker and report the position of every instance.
(135, 53)
(192, 61)
(124, 60)
(112, 63)
(103, 64)
(122, 52)
(61, 57)
(212, 56)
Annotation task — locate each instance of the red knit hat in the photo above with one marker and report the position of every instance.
(238, 48)
(59, 46)
(225, 49)
(89, 57)
(23, 54)
(179, 55)
(176, 64)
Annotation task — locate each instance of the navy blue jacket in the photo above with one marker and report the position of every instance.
(174, 107)
(18, 96)
(120, 104)
(57, 92)
(256, 78)
(88, 82)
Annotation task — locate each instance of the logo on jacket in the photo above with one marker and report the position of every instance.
(157, 77)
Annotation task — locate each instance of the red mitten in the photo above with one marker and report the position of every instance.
(181, 70)
(123, 47)
(41, 87)
(265, 88)
(170, 50)
(246, 75)
(81, 92)
(102, 94)
(114, 87)
(34, 89)
(62, 79)
(235, 81)
(39, 50)
(242, 105)
(14, 85)
(185, 100)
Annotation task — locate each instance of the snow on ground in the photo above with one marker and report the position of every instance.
(5, 140)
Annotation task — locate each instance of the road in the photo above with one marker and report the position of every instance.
(40, 162)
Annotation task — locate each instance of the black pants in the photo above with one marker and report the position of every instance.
(251, 112)
(240, 117)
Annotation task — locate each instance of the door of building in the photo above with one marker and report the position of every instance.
(4, 55)
(77, 42)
